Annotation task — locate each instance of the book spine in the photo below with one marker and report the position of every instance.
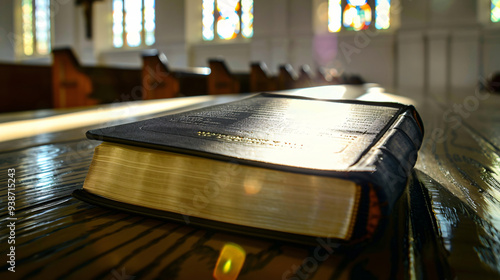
(393, 157)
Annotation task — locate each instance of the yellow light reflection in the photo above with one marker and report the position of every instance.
(231, 260)
(252, 185)
(227, 267)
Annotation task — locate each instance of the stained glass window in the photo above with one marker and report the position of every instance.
(208, 19)
(149, 22)
(358, 14)
(227, 18)
(382, 14)
(35, 18)
(334, 15)
(133, 23)
(27, 17)
(118, 23)
(495, 10)
(247, 18)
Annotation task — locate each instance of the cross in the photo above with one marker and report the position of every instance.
(87, 11)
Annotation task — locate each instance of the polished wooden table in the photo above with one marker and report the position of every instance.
(447, 228)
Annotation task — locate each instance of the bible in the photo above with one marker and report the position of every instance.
(285, 167)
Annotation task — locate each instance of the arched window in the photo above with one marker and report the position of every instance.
(495, 11)
(35, 18)
(358, 14)
(133, 23)
(227, 19)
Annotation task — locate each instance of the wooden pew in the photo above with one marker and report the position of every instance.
(75, 85)
(493, 83)
(159, 81)
(261, 79)
(286, 77)
(306, 77)
(71, 87)
(222, 81)
(351, 79)
(324, 77)
(25, 87)
(193, 81)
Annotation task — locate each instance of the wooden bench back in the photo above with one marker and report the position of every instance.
(75, 85)
(286, 77)
(220, 80)
(71, 87)
(306, 77)
(157, 80)
(260, 79)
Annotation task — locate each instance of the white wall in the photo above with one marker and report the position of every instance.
(64, 24)
(439, 46)
(69, 30)
(7, 31)
(445, 47)
(490, 52)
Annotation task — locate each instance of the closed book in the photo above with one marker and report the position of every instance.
(285, 167)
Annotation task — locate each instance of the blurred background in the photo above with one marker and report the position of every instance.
(436, 46)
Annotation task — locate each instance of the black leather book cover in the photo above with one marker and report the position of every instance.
(374, 144)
